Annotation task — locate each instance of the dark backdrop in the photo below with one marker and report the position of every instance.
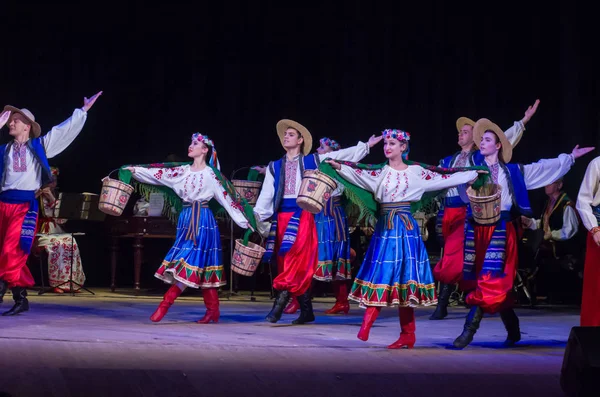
(345, 70)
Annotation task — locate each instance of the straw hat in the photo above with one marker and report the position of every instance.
(284, 124)
(35, 127)
(462, 121)
(483, 125)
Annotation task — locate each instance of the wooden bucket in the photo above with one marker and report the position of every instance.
(247, 189)
(485, 203)
(114, 196)
(245, 259)
(315, 190)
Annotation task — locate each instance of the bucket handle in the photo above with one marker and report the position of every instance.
(109, 174)
(247, 237)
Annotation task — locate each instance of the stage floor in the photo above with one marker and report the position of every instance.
(105, 345)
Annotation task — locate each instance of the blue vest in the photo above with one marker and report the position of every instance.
(277, 168)
(447, 162)
(516, 184)
(39, 153)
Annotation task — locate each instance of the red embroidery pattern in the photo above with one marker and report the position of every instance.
(174, 172)
(158, 174)
(19, 157)
(291, 169)
(394, 185)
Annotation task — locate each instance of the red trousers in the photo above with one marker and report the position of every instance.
(590, 303)
(492, 294)
(297, 267)
(450, 268)
(13, 260)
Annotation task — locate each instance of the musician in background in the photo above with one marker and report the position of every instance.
(61, 247)
(25, 169)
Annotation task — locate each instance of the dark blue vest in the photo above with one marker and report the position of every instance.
(39, 153)
(277, 168)
(516, 184)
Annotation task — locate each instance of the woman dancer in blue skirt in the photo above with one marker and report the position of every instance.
(396, 270)
(195, 260)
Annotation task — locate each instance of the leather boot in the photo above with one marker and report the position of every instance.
(211, 301)
(278, 306)
(169, 298)
(511, 323)
(368, 319)
(408, 327)
(471, 326)
(21, 303)
(3, 288)
(441, 311)
(340, 287)
(292, 307)
(306, 309)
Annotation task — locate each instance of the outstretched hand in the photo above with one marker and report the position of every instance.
(578, 152)
(4, 118)
(374, 140)
(130, 169)
(89, 102)
(334, 164)
(530, 111)
(260, 169)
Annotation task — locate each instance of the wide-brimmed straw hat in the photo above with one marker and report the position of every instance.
(36, 130)
(483, 125)
(462, 121)
(284, 124)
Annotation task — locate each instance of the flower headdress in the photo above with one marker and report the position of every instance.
(396, 134)
(213, 161)
(330, 142)
(399, 135)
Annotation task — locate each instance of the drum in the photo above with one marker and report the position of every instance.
(315, 190)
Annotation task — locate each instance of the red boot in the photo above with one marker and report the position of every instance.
(369, 318)
(293, 306)
(341, 298)
(408, 326)
(172, 294)
(211, 301)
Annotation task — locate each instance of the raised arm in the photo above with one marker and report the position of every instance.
(62, 135)
(546, 171)
(363, 178)
(152, 176)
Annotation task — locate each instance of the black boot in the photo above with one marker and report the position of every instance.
(306, 309)
(441, 311)
(471, 326)
(3, 288)
(21, 303)
(280, 302)
(511, 323)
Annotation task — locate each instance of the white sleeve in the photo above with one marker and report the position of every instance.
(437, 181)
(152, 176)
(587, 191)
(62, 135)
(570, 225)
(233, 209)
(264, 203)
(366, 179)
(353, 154)
(515, 133)
(546, 171)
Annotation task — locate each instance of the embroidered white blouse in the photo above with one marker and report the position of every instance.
(192, 186)
(264, 204)
(392, 186)
(513, 134)
(536, 175)
(589, 194)
(23, 172)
